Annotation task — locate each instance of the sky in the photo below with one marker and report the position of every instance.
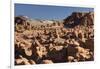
(47, 11)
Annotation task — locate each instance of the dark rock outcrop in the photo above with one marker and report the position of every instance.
(79, 18)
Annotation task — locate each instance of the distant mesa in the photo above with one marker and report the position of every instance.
(24, 20)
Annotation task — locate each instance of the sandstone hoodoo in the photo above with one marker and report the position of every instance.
(52, 41)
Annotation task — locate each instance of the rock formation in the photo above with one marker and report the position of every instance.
(46, 42)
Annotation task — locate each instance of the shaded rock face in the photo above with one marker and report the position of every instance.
(79, 18)
(20, 20)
